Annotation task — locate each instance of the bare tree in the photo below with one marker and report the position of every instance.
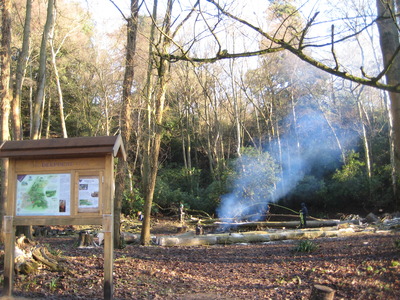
(41, 79)
(54, 53)
(390, 46)
(20, 72)
(5, 94)
(156, 108)
(125, 126)
(155, 119)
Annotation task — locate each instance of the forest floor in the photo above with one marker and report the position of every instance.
(357, 267)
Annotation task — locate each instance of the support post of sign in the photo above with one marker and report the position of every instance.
(9, 244)
(108, 226)
(108, 256)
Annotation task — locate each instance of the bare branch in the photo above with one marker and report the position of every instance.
(333, 47)
(117, 7)
(222, 55)
(186, 18)
(384, 71)
(374, 82)
(306, 28)
(212, 31)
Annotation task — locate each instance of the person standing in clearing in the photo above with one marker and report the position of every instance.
(303, 215)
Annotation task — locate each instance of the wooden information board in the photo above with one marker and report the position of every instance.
(61, 182)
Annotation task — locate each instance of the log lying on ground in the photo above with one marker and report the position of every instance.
(267, 218)
(247, 226)
(29, 255)
(190, 239)
(134, 238)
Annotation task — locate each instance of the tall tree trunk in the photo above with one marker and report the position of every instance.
(40, 92)
(47, 134)
(389, 40)
(57, 76)
(20, 72)
(5, 95)
(125, 120)
(41, 80)
(5, 56)
(184, 129)
(282, 184)
(148, 95)
(367, 150)
(294, 116)
(152, 153)
(236, 109)
(384, 96)
(332, 128)
(207, 105)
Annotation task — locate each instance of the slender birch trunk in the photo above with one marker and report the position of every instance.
(57, 76)
(41, 80)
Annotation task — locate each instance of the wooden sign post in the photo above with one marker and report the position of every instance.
(61, 182)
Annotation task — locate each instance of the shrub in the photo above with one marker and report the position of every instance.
(306, 246)
(132, 202)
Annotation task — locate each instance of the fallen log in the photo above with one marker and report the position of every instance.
(191, 239)
(273, 218)
(43, 255)
(250, 226)
(134, 238)
(29, 255)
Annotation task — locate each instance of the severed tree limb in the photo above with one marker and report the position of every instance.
(29, 255)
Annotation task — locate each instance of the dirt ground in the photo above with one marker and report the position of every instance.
(356, 267)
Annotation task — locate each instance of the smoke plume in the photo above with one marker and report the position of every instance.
(309, 147)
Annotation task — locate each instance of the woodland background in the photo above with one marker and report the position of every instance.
(216, 113)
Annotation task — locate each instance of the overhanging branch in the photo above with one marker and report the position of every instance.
(280, 45)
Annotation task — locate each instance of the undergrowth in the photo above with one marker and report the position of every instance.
(306, 246)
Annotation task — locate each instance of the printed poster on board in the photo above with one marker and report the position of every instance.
(88, 198)
(43, 195)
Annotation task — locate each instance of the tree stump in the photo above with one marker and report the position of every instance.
(321, 292)
(86, 240)
(41, 231)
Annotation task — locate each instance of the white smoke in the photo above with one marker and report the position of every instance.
(310, 149)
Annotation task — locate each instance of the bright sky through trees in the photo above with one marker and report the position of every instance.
(107, 18)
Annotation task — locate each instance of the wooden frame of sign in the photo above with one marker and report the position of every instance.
(60, 182)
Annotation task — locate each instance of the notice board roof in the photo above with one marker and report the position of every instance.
(64, 147)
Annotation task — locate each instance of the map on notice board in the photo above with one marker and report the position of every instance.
(43, 195)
